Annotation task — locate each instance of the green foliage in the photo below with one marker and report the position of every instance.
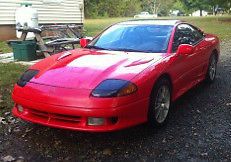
(132, 7)
(164, 7)
(4, 48)
(90, 8)
(111, 8)
(193, 5)
(179, 5)
(161, 7)
(9, 74)
(121, 8)
(147, 6)
(222, 3)
(196, 4)
(95, 26)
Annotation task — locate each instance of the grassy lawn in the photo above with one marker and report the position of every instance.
(95, 26)
(220, 26)
(4, 48)
(9, 73)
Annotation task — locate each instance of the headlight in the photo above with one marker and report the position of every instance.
(114, 88)
(26, 77)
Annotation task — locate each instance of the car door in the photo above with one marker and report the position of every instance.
(200, 56)
(204, 47)
(186, 67)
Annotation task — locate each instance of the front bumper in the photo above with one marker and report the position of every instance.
(75, 118)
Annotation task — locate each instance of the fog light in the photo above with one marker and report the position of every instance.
(20, 108)
(113, 120)
(95, 121)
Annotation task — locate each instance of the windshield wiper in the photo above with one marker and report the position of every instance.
(130, 50)
(95, 47)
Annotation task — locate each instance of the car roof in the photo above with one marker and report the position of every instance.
(150, 22)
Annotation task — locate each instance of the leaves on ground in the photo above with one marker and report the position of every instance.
(8, 158)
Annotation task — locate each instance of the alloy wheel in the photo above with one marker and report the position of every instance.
(162, 104)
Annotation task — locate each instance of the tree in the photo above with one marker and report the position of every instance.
(196, 4)
(225, 4)
(165, 7)
(90, 8)
(111, 8)
(155, 6)
(132, 7)
(207, 5)
(178, 5)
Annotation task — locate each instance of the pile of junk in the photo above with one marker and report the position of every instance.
(35, 42)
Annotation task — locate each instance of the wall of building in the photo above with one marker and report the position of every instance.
(7, 32)
(49, 12)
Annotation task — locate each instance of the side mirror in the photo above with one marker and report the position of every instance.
(185, 49)
(85, 41)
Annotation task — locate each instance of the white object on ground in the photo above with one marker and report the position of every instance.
(8, 57)
(145, 15)
(27, 17)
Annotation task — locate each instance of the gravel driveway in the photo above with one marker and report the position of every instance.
(200, 129)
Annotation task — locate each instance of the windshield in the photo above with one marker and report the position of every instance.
(134, 38)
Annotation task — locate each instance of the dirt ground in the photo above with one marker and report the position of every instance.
(199, 129)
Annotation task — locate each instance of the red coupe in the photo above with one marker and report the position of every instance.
(127, 75)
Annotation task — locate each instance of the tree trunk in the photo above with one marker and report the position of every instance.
(214, 13)
(157, 8)
(201, 12)
(154, 7)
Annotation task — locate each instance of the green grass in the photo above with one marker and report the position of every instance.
(220, 26)
(95, 26)
(4, 48)
(9, 73)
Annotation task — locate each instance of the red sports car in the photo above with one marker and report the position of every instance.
(127, 75)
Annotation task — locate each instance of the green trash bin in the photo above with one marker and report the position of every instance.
(24, 50)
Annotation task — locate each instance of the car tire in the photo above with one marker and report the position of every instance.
(160, 103)
(212, 69)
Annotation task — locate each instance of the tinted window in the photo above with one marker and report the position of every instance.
(197, 34)
(137, 38)
(186, 34)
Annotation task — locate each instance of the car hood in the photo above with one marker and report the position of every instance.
(85, 68)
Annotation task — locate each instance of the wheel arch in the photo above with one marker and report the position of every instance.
(215, 52)
(151, 112)
(164, 76)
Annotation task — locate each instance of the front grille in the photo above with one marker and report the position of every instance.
(54, 118)
(39, 114)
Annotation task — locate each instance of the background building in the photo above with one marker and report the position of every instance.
(49, 12)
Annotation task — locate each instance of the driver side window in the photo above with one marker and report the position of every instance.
(185, 34)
